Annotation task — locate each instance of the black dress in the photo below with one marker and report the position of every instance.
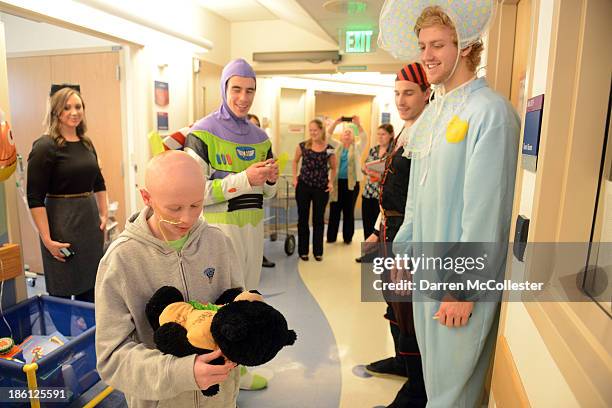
(64, 180)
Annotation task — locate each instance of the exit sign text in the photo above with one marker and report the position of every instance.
(358, 41)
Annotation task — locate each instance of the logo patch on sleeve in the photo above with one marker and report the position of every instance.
(246, 153)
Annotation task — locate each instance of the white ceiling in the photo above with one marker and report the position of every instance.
(347, 14)
(325, 16)
(238, 10)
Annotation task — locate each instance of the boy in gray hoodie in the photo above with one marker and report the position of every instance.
(167, 243)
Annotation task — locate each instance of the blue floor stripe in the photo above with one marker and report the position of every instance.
(306, 374)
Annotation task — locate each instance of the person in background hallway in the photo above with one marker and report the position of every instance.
(255, 120)
(464, 149)
(411, 97)
(237, 159)
(67, 198)
(369, 198)
(346, 183)
(313, 184)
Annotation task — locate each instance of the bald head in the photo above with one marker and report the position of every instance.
(174, 190)
(173, 170)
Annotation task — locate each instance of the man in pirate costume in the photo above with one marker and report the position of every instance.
(411, 97)
(463, 150)
(237, 159)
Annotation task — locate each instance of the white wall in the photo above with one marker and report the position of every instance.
(183, 16)
(26, 36)
(145, 50)
(539, 87)
(543, 383)
(273, 35)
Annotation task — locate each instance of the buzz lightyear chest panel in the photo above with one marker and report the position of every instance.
(231, 157)
(239, 157)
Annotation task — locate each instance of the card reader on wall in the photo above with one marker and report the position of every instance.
(520, 237)
(531, 134)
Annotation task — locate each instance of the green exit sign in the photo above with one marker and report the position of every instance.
(357, 42)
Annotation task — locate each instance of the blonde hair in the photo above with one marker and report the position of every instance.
(319, 124)
(434, 15)
(52, 122)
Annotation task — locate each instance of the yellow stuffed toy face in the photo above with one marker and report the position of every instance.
(196, 322)
(251, 297)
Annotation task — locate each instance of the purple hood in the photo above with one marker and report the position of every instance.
(222, 122)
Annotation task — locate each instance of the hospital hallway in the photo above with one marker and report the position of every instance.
(437, 126)
(337, 334)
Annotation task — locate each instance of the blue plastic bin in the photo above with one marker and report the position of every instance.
(71, 366)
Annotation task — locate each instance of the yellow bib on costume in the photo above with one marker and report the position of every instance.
(456, 130)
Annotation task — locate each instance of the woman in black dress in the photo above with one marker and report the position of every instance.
(67, 199)
(313, 185)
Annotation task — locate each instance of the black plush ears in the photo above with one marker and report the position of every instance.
(291, 338)
(164, 296)
(230, 294)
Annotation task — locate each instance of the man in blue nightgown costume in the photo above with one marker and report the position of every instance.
(464, 151)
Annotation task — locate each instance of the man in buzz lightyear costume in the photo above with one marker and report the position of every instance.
(464, 151)
(237, 160)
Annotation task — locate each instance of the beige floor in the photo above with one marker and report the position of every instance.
(361, 333)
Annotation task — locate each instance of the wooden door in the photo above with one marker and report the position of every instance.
(29, 81)
(334, 105)
(100, 87)
(207, 89)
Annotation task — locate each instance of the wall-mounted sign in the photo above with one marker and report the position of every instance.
(531, 136)
(358, 41)
(351, 68)
(162, 95)
(162, 120)
(295, 128)
(385, 117)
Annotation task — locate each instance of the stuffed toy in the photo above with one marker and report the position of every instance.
(247, 330)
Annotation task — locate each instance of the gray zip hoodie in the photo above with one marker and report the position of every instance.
(133, 268)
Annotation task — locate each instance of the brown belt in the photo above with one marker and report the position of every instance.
(393, 213)
(79, 195)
